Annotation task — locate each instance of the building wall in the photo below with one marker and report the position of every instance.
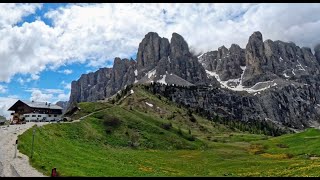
(41, 117)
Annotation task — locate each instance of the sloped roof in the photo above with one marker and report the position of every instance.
(34, 104)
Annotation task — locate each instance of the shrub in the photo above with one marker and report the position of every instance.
(166, 126)
(108, 130)
(289, 155)
(282, 146)
(111, 121)
(192, 119)
(179, 131)
(191, 138)
(134, 139)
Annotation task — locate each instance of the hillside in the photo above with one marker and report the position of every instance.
(142, 134)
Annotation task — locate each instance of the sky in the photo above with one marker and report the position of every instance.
(44, 47)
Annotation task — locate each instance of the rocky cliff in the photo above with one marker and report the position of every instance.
(267, 80)
(296, 105)
(103, 83)
(157, 61)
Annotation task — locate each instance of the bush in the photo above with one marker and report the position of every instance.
(179, 131)
(134, 139)
(191, 138)
(108, 130)
(282, 146)
(289, 155)
(111, 121)
(261, 151)
(193, 119)
(166, 126)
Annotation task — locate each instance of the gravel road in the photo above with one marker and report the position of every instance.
(19, 166)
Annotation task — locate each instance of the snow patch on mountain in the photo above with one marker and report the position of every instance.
(151, 105)
(163, 80)
(255, 88)
(151, 73)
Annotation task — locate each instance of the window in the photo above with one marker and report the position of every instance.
(26, 115)
(33, 115)
(55, 115)
(49, 115)
(39, 115)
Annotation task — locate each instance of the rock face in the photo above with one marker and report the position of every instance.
(317, 52)
(151, 50)
(103, 83)
(157, 61)
(268, 80)
(294, 106)
(270, 60)
(63, 104)
(225, 62)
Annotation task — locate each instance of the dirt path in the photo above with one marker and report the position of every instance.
(9, 165)
(19, 166)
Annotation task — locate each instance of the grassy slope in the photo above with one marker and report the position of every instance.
(86, 149)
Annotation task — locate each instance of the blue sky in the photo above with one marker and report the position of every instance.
(58, 79)
(44, 47)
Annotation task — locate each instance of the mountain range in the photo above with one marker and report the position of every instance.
(267, 81)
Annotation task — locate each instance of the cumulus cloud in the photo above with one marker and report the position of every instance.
(3, 89)
(66, 85)
(13, 13)
(37, 95)
(48, 95)
(33, 77)
(5, 104)
(66, 71)
(63, 97)
(96, 33)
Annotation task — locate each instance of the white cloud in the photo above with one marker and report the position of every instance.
(66, 71)
(5, 104)
(33, 77)
(51, 91)
(20, 80)
(96, 33)
(66, 85)
(48, 95)
(37, 95)
(13, 96)
(63, 97)
(54, 91)
(3, 89)
(13, 13)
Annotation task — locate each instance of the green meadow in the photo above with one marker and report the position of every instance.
(133, 138)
